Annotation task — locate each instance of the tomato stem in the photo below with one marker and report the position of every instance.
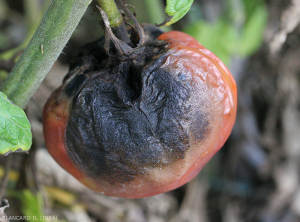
(45, 46)
(114, 16)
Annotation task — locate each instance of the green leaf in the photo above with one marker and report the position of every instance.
(253, 31)
(31, 205)
(176, 9)
(15, 129)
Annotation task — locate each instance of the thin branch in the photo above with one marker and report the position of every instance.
(114, 16)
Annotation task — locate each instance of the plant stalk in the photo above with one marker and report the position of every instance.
(114, 16)
(44, 48)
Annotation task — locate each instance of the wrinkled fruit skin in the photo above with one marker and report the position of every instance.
(142, 126)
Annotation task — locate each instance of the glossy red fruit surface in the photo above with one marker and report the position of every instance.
(143, 125)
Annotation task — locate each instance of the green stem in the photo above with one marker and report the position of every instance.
(46, 45)
(111, 9)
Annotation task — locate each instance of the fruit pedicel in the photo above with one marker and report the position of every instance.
(140, 118)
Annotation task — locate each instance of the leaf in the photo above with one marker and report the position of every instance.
(176, 9)
(253, 31)
(15, 129)
(31, 205)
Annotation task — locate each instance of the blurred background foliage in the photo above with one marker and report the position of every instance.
(237, 31)
(233, 29)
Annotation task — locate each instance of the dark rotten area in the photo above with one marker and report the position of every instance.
(126, 115)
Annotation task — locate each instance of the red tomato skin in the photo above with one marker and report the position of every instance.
(187, 55)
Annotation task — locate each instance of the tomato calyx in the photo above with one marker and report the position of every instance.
(117, 42)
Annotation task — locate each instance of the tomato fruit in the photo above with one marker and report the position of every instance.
(143, 124)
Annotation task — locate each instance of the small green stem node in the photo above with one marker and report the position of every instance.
(114, 16)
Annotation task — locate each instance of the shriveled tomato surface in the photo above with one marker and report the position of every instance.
(144, 124)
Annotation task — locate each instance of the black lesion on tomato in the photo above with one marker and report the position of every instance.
(128, 116)
(200, 126)
(91, 58)
(118, 128)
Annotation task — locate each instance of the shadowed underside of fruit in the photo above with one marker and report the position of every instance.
(145, 124)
